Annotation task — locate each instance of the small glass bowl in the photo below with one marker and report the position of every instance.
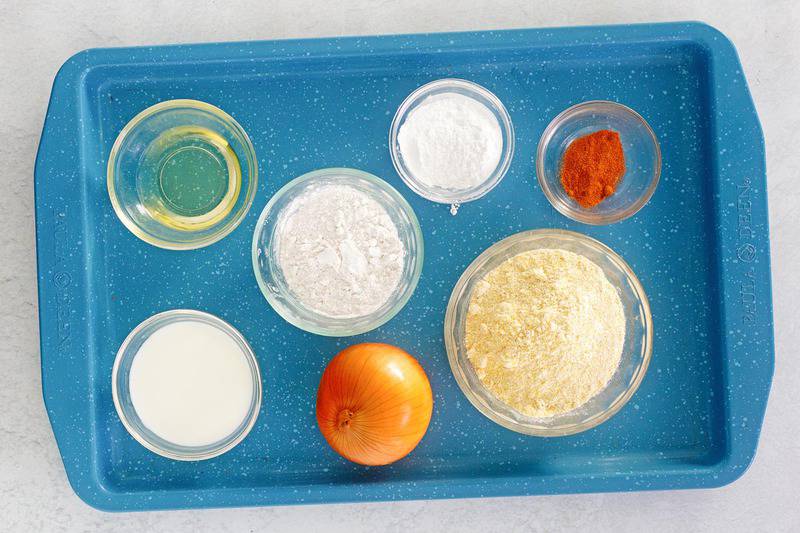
(454, 197)
(642, 160)
(635, 353)
(126, 160)
(270, 277)
(121, 391)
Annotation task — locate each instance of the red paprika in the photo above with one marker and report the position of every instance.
(592, 167)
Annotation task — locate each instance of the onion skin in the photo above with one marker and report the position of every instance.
(374, 403)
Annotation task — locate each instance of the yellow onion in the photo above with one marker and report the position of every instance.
(374, 403)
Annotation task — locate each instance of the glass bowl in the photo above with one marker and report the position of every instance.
(476, 92)
(147, 192)
(642, 160)
(122, 398)
(273, 284)
(635, 353)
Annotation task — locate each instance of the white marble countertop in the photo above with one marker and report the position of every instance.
(36, 37)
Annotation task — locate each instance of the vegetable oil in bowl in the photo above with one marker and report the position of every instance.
(182, 174)
(189, 178)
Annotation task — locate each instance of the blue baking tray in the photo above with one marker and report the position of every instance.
(700, 248)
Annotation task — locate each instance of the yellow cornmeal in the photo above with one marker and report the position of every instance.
(545, 331)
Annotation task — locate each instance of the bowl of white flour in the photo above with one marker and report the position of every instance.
(451, 141)
(337, 252)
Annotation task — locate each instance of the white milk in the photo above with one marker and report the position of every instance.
(191, 384)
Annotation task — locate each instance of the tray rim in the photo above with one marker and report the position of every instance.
(57, 285)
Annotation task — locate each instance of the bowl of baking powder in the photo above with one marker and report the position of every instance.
(451, 141)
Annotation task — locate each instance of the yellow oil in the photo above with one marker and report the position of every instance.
(189, 178)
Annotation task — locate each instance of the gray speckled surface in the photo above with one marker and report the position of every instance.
(36, 39)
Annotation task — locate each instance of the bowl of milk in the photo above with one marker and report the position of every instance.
(186, 385)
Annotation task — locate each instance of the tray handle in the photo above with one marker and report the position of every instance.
(744, 260)
(60, 184)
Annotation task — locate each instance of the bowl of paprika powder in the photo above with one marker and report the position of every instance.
(598, 162)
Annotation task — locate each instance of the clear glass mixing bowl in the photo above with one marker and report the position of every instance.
(271, 279)
(642, 160)
(478, 93)
(126, 167)
(635, 353)
(120, 388)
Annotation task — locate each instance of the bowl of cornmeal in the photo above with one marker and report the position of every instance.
(548, 332)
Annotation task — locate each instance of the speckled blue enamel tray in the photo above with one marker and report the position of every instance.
(700, 248)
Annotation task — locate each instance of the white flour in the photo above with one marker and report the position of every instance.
(339, 251)
(451, 141)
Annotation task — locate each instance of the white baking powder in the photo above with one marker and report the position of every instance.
(339, 251)
(451, 141)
